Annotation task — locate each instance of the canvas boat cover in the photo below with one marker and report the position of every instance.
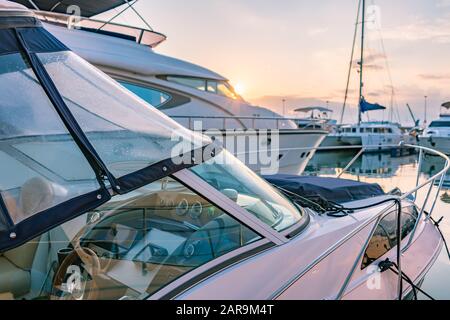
(88, 8)
(332, 189)
(71, 137)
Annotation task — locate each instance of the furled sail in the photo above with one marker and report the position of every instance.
(366, 106)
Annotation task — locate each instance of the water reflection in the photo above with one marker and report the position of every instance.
(391, 172)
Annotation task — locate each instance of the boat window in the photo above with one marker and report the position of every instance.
(196, 83)
(389, 130)
(211, 86)
(132, 246)
(126, 133)
(236, 181)
(222, 88)
(153, 96)
(353, 130)
(385, 237)
(41, 165)
(226, 90)
(439, 124)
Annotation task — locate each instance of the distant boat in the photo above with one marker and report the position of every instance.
(437, 135)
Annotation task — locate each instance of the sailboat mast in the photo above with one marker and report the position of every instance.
(361, 83)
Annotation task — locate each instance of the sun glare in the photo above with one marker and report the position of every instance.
(239, 88)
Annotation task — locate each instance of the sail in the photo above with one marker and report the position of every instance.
(366, 106)
(88, 8)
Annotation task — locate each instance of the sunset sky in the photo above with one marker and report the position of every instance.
(300, 49)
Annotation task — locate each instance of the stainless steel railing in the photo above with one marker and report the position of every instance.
(430, 181)
(376, 219)
(252, 119)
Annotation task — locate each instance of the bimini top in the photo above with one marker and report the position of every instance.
(88, 8)
(446, 105)
(308, 109)
(70, 136)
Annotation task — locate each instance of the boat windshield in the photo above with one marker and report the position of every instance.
(440, 124)
(127, 134)
(236, 181)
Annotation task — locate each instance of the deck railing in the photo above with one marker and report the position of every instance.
(396, 199)
(242, 120)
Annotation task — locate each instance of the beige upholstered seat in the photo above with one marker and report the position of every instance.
(15, 265)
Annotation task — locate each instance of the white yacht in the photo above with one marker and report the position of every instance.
(195, 97)
(319, 118)
(94, 203)
(437, 135)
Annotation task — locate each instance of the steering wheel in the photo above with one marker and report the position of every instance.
(191, 246)
(75, 277)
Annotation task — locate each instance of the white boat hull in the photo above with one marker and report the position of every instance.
(294, 150)
(438, 143)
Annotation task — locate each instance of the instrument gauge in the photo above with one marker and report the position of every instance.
(196, 210)
(182, 208)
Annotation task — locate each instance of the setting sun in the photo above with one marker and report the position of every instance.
(239, 88)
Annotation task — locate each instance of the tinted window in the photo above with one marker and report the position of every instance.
(440, 124)
(195, 83)
(385, 235)
(153, 96)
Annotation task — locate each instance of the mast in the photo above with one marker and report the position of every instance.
(361, 83)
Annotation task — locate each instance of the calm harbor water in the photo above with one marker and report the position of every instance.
(391, 172)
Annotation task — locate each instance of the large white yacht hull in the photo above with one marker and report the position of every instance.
(290, 154)
(438, 143)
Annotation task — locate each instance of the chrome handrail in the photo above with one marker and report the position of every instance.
(377, 218)
(253, 119)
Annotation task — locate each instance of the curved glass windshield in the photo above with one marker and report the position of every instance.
(236, 181)
(126, 133)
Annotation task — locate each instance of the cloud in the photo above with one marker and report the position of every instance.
(443, 4)
(312, 32)
(436, 31)
(437, 76)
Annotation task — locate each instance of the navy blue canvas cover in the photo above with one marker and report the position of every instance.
(333, 189)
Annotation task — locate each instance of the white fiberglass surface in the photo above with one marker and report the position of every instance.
(32, 171)
(236, 181)
(126, 132)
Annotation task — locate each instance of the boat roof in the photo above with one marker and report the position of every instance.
(313, 108)
(374, 124)
(12, 7)
(142, 36)
(88, 8)
(118, 53)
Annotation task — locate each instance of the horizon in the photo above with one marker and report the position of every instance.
(300, 51)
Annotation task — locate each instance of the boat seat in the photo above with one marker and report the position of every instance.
(15, 269)
(15, 265)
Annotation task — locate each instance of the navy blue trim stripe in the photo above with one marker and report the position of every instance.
(46, 220)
